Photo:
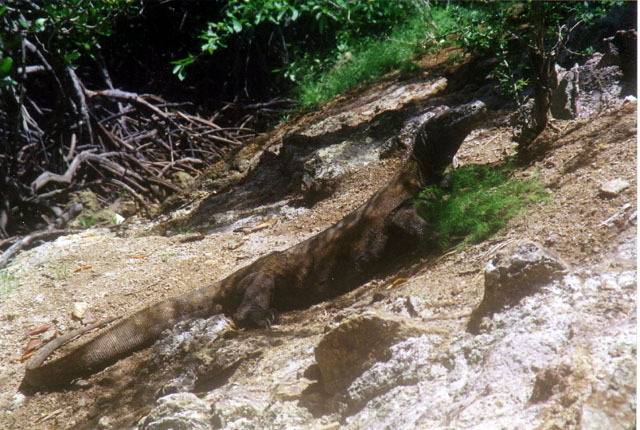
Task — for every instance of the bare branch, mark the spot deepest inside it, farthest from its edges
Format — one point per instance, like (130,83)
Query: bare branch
(84,110)
(65,178)
(125,95)
(26,241)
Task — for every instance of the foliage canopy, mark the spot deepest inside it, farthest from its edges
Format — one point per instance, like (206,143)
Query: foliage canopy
(71,71)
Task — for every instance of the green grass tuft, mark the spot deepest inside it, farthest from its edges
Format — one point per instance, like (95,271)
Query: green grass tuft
(321,77)
(477,202)
(366,60)
(8,282)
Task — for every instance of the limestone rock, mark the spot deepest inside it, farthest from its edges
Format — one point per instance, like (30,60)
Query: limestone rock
(548,382)
(254,408)
(188,336)
(625,44)
(409,362)
(563,99)
(241,410)
(390,147)
(514,272)
(612,405)
(89,200)
(613,188)
(178,411)
(357,343)
(586,89)
(78,309)
(323,170)
(104,423)
(182,179)
(186,349)
(317,181)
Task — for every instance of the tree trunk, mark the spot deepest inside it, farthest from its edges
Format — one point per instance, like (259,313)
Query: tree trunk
(543,78)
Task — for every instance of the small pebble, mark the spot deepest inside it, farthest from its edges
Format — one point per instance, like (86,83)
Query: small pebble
(614,187)
(78,310)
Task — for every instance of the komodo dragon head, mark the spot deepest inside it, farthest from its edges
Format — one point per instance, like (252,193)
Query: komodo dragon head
(439,138)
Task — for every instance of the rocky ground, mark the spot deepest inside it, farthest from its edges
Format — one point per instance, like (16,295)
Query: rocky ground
(559,353)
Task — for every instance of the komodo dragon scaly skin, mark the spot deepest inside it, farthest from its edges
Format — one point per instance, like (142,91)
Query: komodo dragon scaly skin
(331,263)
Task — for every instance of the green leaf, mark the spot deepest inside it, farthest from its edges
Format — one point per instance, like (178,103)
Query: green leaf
(237,26)
(5,66)
(3,9)
(179,70)
(39,24)
(71,57)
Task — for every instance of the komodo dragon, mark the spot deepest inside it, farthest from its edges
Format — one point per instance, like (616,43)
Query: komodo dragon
(331,263)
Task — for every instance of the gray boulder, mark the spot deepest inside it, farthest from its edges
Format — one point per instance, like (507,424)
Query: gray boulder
(357,343)
(180,411)
(517,270)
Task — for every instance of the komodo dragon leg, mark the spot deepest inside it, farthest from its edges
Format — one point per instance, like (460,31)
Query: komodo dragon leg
(255,310)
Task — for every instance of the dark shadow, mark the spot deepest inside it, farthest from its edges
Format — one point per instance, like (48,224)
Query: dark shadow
(276,177)
(216,378)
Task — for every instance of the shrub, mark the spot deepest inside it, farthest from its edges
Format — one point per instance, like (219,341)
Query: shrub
(474,202)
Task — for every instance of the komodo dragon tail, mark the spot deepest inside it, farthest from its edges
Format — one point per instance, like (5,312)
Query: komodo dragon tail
(126,336)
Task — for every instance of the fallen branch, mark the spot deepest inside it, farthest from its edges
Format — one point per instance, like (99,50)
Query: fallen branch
(27,240)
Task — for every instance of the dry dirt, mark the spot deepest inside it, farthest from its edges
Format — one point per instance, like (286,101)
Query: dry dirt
(116,275)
